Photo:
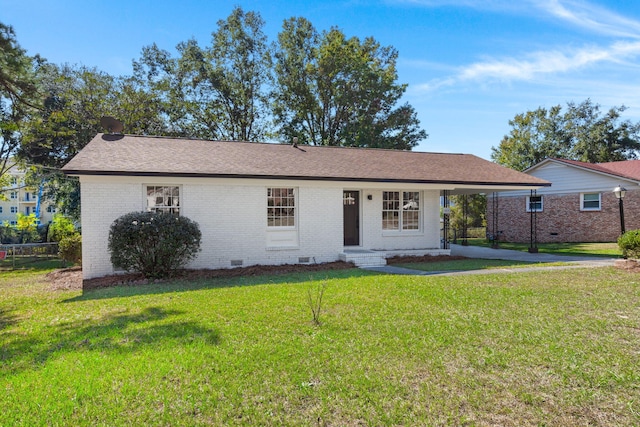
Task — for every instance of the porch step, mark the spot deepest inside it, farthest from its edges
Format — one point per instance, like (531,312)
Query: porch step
(364,258)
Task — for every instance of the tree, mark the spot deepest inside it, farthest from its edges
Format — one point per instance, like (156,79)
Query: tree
(75,100)
(27,226)
(18,92)
(218,92)
(334,90)
(581,133)
(60,228)
(476,215)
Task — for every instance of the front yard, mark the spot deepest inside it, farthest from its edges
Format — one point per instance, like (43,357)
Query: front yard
(561,348)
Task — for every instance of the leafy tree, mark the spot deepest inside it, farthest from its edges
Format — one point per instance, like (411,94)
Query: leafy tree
(581,133)
(27,226)
(217,92)
(60,227)
(18,92)
(476,211)
(76,99)
(334,90)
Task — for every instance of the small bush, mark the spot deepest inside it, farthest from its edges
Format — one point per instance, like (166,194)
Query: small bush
(154,244)
(8,234)
(60,227)
(629,243)
(70,248)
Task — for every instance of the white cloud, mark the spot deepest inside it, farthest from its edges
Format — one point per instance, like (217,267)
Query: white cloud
(537,65)
(592,17)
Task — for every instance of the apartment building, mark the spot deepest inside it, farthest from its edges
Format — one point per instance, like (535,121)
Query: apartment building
(20,198)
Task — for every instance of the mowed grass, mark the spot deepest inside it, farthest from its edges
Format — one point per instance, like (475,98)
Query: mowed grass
(559,348)
(473,264)
(610,250)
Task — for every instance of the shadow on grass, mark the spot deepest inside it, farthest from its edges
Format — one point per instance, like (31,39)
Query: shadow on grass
(6,319)
(110,333)
(182,285)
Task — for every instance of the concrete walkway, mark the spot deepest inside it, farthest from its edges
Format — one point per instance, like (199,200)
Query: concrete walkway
(506,254)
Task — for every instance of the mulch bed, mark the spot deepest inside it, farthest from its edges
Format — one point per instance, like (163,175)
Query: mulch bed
(71,278)
(631,265)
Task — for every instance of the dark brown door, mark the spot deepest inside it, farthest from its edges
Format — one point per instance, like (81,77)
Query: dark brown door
(351,205)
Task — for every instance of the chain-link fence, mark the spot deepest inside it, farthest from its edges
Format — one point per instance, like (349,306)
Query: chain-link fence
(29,255)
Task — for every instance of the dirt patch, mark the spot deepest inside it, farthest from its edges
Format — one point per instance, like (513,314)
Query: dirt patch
(71,278)
(630,265)
(65,279)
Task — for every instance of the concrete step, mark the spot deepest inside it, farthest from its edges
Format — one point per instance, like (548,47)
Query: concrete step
(364,258)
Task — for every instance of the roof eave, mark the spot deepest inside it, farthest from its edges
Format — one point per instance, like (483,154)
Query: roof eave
(75,172)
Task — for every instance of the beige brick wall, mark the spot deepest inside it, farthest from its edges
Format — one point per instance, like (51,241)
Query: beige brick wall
(562,220)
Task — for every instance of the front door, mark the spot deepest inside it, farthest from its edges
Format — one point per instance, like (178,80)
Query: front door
(351,207)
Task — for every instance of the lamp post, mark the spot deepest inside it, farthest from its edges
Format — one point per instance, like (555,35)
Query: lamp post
(620,191)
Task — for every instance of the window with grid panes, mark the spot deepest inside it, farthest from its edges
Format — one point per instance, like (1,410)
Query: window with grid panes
(400,210)
(281,207)
(163,198)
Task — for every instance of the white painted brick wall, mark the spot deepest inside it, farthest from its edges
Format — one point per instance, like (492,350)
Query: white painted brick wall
(232,218)
(375,238)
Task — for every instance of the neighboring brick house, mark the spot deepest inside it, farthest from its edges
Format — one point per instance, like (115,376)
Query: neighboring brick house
(579,206)
(277,204)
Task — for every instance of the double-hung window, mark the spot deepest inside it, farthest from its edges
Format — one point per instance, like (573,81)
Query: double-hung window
(401,210)
(590,201)
(163,198)
(534,204)
(281,207)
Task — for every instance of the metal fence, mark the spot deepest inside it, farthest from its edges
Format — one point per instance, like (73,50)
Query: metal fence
(28,255)
(455,235)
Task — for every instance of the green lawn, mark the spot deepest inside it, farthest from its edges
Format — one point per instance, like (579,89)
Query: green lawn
(506,349)
(473,264)
(593,249)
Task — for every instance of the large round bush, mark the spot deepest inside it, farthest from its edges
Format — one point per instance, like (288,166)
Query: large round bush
(152,243)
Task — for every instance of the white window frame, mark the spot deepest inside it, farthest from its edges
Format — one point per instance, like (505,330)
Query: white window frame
(282,209)
(528,206)
(396,210)
(13,195)
(171,203)
(14,209)
(583,208)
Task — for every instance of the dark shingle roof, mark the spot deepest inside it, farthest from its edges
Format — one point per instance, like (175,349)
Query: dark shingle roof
(158,156)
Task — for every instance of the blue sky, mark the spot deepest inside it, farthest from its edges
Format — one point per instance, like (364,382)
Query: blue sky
(471,66)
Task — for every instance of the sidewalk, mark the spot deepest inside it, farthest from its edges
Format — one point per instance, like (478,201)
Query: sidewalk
(506,254)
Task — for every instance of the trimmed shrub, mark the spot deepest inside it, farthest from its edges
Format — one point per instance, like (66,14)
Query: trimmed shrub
(60,227)
(70,248)
(629,243)
(152,243)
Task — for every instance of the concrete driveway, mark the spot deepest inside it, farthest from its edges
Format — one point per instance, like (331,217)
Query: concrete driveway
(506,254)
